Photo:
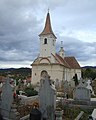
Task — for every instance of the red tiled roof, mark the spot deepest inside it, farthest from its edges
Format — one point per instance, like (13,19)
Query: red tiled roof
(69,62)
(62,61)
(72,62)
(47,28)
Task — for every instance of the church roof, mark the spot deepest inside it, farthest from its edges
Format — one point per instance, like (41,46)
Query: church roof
(61,60)
(68,62)
(47,29)
(72,62)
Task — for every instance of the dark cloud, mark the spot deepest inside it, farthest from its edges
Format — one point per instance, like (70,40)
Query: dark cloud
(83,51)
(22,21)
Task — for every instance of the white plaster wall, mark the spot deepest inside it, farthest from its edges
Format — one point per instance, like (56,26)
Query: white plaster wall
(68,77)
(78,73)
(47,49)
(71,72)
(44,61)
(54,71)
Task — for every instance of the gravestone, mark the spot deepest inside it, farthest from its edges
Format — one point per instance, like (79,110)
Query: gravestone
(59,114)
(72,83)
(90,87)
(6,98)
(81,92)
(8,109)
(47,98)
(66,88)
(57,84)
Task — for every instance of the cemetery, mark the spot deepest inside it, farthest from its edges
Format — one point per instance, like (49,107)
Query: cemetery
(64,95)
(54,101)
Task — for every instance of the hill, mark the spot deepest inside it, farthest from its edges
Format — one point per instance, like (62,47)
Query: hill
(16,72)
(89,67)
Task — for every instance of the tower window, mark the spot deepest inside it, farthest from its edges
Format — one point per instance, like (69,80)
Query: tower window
(45,41)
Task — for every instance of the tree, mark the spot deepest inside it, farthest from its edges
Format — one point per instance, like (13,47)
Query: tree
(76,80)
(89,73)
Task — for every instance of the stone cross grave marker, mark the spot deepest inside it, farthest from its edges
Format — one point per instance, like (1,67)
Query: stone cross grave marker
(6,98)
(47,98)
(66,88)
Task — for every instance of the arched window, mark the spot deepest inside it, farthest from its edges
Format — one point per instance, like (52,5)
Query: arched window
(45,41)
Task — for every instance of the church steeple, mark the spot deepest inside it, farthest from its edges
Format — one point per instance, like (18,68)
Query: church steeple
(47,40)
(61,52)
(47,29)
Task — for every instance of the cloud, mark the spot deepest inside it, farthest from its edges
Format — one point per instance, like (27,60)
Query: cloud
(85,52)
(83,35)
(73,22)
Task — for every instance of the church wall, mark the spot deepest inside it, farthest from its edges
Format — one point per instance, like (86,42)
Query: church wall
(45,61)
(35,74)
(71,72)
(68,77)
(75,71)
(54,71)
(78,71)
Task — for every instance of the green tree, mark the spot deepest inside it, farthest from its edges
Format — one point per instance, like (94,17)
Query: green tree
(76,80)
(93,75)
(89,73)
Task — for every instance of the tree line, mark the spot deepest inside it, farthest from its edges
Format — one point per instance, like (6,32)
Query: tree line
(89,73)
(19,73)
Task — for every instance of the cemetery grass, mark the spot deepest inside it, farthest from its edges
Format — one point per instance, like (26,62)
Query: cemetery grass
(94,86)
(24,110)
(72,113)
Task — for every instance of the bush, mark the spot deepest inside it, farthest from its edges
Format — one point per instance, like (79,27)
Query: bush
(30,91)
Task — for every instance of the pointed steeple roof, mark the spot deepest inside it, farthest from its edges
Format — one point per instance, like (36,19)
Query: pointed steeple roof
(47,28)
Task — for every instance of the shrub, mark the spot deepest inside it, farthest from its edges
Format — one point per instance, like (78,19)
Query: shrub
(30,91)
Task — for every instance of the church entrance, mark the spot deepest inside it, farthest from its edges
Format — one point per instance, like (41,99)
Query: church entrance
(44,73)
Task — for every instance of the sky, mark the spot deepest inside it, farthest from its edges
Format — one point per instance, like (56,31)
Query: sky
(21,21)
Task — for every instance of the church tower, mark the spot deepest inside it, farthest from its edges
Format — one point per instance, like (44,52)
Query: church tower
(47,40)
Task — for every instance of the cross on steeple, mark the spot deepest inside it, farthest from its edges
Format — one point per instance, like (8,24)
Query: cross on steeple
(61,43)
(48,10)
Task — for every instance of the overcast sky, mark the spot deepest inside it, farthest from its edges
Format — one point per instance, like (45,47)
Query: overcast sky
(21,21)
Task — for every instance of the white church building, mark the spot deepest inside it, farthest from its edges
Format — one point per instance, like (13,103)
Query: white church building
(58,66)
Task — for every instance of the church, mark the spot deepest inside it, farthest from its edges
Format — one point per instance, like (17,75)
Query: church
(57,65)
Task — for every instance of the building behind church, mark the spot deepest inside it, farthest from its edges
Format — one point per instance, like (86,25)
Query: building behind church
(58,66)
